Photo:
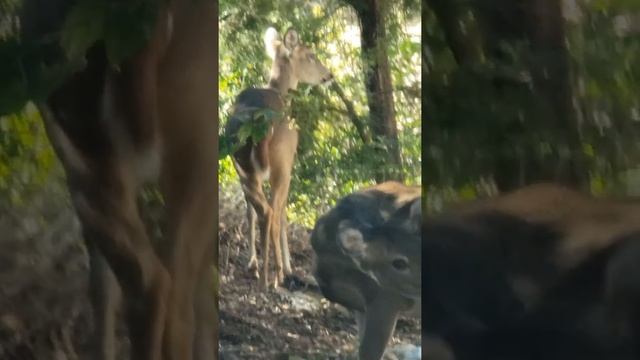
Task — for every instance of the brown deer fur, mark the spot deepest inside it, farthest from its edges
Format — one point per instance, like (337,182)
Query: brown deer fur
(153,119)
(543,272)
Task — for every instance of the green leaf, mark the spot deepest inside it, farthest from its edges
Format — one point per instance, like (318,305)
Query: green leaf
(13,85)
(129,28)
(83,26)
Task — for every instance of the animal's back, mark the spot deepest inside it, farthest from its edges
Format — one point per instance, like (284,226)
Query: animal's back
(587,223)
(523,248)
(249,101)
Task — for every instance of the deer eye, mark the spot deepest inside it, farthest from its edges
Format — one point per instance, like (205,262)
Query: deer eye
(400,264)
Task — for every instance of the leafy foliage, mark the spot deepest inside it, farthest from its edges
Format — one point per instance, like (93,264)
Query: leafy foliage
(33,64)
(124,27)
(254,128)
(27,162)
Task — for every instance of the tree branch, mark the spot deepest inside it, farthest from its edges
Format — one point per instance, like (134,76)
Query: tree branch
(351,114)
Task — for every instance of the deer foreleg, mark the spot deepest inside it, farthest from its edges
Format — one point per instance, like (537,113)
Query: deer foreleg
(284,243)
(379,322)
(252,188)
(277,251)
(280,179)
(251,222)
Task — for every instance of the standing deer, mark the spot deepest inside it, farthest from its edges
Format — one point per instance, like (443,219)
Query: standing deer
(368,259)
(153,119)
(272,157)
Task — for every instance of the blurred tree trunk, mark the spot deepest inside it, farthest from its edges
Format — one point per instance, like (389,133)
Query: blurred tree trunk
(541,22)
(461,30)
(379,85)
(554,93)
(474,31)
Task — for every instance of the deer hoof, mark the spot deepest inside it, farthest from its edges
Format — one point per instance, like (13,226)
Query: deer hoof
(253,263)
(264,283)
(287,270)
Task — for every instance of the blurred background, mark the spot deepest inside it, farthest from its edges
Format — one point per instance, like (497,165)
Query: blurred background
(530,90)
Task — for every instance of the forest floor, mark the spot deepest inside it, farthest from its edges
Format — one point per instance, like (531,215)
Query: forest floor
(45,312)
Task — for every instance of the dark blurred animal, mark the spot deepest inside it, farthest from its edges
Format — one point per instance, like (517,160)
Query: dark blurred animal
(367,258)
(543,272)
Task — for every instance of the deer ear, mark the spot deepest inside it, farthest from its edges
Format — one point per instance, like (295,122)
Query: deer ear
(271,42)
(351,240)
(291,39)
(409,216)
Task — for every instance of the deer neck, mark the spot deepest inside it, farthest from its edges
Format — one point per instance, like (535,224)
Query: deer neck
(282,79)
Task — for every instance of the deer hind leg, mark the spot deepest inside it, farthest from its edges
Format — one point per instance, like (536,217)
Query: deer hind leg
(105,296)
(284,242)
(252,187)
(252,265)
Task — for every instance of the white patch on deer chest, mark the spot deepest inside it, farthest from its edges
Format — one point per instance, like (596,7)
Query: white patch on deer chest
(261,171)
(169,25)
(147,163)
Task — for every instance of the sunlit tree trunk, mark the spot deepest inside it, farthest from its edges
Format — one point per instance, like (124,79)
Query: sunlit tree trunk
(379,86)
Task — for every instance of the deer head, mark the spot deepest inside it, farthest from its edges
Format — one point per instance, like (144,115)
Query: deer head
(391,253)
(293,62)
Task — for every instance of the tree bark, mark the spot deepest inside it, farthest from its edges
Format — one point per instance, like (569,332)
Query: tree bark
(358,123)
(555,118)
(460,29)
(553,87)
(378,83)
